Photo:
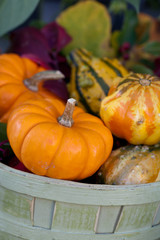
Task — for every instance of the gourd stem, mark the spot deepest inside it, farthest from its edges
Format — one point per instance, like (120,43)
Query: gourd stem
(145,82)
(32,83)
(66,119)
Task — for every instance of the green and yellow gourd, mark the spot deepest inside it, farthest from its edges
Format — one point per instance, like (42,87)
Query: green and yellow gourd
(131,164)
(91,78)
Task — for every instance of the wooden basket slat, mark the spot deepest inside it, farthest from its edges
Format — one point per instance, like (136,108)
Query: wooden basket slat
(107,218)
(136,217)
(74,217)
(35,233)
(43,213)
(156,219)
(7,236)
(15,206)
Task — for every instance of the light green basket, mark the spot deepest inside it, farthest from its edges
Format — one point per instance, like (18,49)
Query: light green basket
(39,208)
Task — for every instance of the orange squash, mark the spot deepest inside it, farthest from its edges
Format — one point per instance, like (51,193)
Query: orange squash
(132,109)
(131,165)
(49,141)
(18,82)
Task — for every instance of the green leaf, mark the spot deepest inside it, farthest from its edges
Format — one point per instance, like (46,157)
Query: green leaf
(89,25)
(117,6)
(147,62)
(3,132)
(37,24)
(115,40)
(128,32)
(143,36)
(135,4)
(15,12)
(152,47)
(139,68)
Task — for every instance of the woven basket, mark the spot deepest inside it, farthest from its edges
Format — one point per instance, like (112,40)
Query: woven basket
(39,208)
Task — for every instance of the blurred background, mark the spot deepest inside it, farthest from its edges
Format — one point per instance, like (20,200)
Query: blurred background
(48,10)
(131,29)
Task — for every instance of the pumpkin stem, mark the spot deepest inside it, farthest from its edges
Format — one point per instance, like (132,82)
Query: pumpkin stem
(66,118)
(32,83)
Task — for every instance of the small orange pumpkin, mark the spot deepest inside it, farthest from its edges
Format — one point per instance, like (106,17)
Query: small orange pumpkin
(18,82)
(52,143)
(132,109)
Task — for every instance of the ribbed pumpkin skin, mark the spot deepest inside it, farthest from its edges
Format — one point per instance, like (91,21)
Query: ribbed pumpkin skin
(132,109)
(48,148)
(13,70)
(131,165)
(91,78)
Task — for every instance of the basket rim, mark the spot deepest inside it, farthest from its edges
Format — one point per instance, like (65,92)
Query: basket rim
(55,189)
(72,183)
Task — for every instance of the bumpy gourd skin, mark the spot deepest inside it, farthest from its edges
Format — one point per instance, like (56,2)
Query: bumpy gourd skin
(91,78)
(131,165)
(48,148)
(132,109)
(13,71)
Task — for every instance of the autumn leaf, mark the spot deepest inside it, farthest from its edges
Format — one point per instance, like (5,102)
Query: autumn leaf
(89,25)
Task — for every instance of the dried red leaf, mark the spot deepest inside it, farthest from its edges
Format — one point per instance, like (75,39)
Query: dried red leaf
(57,87)
(43,46)
(157,66)
(40,45)
(29,40)
(16,164)
(56,36)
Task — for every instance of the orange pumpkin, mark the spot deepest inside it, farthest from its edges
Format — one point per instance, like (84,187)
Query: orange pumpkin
(131,165)
(132,109)
(58,146)
(17,83)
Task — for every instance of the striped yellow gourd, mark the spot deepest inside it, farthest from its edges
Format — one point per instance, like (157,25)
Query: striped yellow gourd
(132,109)
(91,78)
